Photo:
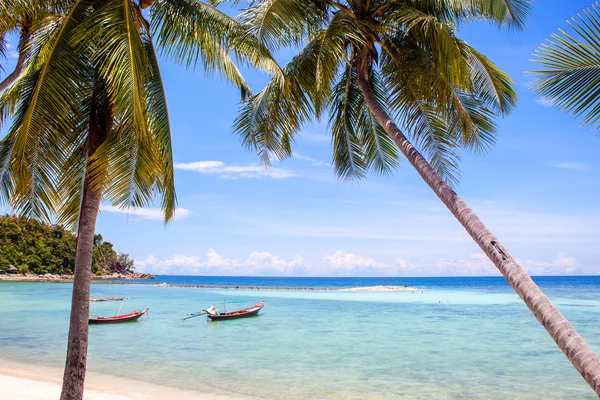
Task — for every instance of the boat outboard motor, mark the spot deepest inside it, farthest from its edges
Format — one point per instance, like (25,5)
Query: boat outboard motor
(212,310)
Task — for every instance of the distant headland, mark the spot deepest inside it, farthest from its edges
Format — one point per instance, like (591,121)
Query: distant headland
(36,252)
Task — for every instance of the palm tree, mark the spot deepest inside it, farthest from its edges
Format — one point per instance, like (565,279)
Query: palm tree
(24,17)
(367,63)
(570,74)
(89,120)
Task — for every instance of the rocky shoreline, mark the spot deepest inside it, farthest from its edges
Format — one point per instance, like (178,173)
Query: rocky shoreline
(69,278)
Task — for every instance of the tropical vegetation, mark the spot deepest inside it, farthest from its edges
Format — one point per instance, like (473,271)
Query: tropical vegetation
(89,120)
(569,76)
(393,77)
(35,247)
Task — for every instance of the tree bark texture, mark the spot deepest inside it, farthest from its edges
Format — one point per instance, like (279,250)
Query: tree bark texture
(24,38)
(101,121)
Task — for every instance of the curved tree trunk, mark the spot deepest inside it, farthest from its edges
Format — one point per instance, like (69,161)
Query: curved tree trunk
(24,38)
(568,340)
(101,121)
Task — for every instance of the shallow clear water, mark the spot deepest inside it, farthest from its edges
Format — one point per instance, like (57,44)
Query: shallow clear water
(462,338)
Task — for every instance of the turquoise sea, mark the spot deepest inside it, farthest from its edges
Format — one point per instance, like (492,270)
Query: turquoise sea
(461,338)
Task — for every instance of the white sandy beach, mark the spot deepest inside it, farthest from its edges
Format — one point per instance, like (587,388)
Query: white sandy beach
(33,382)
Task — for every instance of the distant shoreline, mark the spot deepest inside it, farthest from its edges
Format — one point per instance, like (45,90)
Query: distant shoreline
(377,288)
(69,278)
(110,280)
(137,281)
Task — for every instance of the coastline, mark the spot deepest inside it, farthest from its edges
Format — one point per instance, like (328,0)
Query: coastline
(41,382)
(69,278)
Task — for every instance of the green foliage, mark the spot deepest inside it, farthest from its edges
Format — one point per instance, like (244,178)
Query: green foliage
(96,61)
(32,246)
(445,95)
(570,73)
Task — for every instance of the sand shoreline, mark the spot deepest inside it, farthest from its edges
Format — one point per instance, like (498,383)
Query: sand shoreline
(39,382)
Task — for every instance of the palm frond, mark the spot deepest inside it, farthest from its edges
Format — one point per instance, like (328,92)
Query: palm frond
(348,153)
(434,37)
(283,23)
(269,120)
(6,180)
(3,49)
(43,117)
(439,117)
(490,84)
(158,115)
(570,73)
(333,47)
(189,31)
(111,34)
(506,13)
(510,13)
(380,151)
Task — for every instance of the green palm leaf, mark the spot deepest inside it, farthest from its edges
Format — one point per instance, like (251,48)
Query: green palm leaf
(40,105)
(348,155)
(570,73)
(188,31)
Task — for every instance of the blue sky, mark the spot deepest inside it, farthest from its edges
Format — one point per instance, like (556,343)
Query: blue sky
(537,190)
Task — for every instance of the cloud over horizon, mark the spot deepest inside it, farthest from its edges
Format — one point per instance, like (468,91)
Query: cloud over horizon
(345,264)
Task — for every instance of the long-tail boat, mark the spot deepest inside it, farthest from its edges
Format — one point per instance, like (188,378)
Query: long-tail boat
(214,314)
(134,316)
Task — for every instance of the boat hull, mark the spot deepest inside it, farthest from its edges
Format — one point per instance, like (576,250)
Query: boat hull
(117,318)
(251,312)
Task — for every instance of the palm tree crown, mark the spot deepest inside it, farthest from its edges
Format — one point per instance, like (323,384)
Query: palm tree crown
(100,55)
(445,93)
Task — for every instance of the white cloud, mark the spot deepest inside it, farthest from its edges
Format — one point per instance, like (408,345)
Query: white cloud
(575,166)
(145,213)
(341,263)
(257,263)
(11,53)
(475,265)
(479,265)
(545,102)
(313,161)
(315,137)
(235,171)
(562,265)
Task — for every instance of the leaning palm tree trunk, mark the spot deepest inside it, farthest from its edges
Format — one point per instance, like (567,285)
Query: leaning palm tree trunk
(566,337)
(24,38)
(75,367)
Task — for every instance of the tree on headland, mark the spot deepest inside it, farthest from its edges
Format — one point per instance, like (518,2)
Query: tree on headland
(369,63)
(89,120)
(569,77)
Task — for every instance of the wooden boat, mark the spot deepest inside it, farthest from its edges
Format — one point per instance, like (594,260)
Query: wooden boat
(215,315)
(134,316)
